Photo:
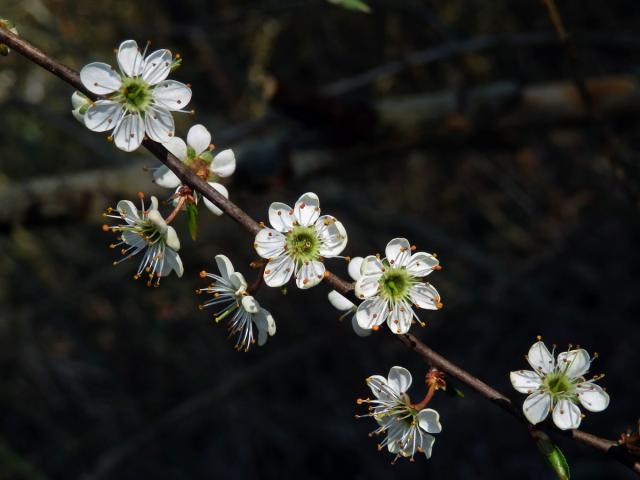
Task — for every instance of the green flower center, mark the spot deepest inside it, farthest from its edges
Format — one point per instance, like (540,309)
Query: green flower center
(558,384)
(201,164)
(135,94)
(395,284)
(303,244)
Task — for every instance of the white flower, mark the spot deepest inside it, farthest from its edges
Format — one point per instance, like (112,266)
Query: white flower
(299,240)
(389,287)
(343,304)
(80,103)
(138,98)
(230,296)
(558,386)
(146,230)
(407,428)
(196,155)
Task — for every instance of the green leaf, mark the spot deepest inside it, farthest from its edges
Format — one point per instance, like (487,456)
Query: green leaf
(453,390)
(357,5)
(552,454)
(192,216)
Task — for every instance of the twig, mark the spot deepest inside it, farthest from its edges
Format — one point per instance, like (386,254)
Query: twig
(189,178)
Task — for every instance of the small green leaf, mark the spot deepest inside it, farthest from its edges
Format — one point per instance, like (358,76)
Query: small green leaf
(192,215)
(552,453)
(452,390)
(357,5)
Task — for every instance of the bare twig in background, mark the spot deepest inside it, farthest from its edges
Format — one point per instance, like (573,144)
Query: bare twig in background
(188,177)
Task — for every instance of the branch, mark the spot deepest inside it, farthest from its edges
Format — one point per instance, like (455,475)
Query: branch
(236,213)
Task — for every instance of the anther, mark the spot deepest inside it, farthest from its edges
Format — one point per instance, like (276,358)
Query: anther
(203,274)
(105,228)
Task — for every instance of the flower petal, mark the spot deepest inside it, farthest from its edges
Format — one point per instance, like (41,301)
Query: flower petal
(157,66)
(172,262)
(130,59)
(379,388)
(332,235)
(129,133)
(540,358)
(103,115)
(269,243)
(372,312)
(359,331)
(250,304)
(339,301)
(266,325)
(566,415)
(592,396)
(354,267)
(310,274)
(224,163)
(238,282)
(422,264)
(367,286)
(278,271)
(307,209)
(100,78)
(172,95)
(536,407)
(198,138)
(371,265)
(212,206)
(398,252)
(177,147)
(165,178)
(525,381)
(399,379)
(128,211)
(225,267)
(575,363)
(425,444)
(171,239)
(159,124)
(400,317)
(429,420)
(281,217)
(424,295)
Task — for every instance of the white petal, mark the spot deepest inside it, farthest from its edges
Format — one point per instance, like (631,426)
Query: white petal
(367,286)
(379,388)
(592,396)
(307,209)
(332,235)
(536,407)
(129,133)
(566,415)
(269,243)
(310,274)
(424,295)
(166,178)
(212,206)
(224,163)
(225,267)
(575,363)
(130,59)
(422,264)
(103,115)
(426,444)
(400,317)
(525,381)
(372,312)
(281,217)
(198,138)
(339,301)
(359,331)
(100,78)
(278,271)
(250,304)
(173,95)
(266,325)
(354,267)
(159,124)
(540,358)
(172,261)
(398,252)
(177,147)
(79,99)
(429,420)
(157,66)
(399,379)
(129,211)
(371,265)
(238,282)
(172,239)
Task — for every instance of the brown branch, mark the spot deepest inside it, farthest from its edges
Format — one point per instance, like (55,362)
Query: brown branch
(189,178)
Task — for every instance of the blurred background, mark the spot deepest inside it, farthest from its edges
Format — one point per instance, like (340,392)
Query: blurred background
(456,124)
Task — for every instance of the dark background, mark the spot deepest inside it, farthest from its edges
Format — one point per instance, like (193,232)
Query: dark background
(478,149)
